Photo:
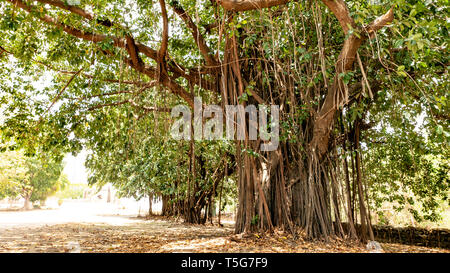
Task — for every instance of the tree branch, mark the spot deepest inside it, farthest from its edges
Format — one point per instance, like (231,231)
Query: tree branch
(380,22)
(198,38)
(122,43)
(88,36)
(166,81)
(340,10)
(165,38)
(137,83)
(146,86)
(62,90)
(108,105)
(134,53)
(76,10)
(244,5)
(151,109)
(338,93)
(132,103)
(165,41)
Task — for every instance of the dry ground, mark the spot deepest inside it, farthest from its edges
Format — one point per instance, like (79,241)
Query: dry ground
(106,229)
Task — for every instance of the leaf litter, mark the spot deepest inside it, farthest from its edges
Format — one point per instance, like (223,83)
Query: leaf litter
(161,235)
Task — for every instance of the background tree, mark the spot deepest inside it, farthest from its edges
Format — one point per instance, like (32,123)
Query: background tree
(12,172)
(32,178)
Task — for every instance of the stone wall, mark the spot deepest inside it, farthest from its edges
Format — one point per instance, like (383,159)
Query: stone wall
(413,236)
(410,236)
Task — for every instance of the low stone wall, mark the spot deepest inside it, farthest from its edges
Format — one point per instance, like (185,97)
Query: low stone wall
(413,236)
(410,236)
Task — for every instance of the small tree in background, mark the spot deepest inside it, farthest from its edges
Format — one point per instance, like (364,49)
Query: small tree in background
(32,178)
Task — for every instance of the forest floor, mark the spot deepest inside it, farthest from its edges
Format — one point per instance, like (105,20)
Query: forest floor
(107,230)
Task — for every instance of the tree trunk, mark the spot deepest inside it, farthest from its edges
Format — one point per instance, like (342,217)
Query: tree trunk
(220,194)
(27,203)
(165,210)
(150,203)
(108,198)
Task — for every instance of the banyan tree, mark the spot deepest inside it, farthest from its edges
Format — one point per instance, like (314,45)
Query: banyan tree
(314,59)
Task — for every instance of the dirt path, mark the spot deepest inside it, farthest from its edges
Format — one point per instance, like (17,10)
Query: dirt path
(106,229)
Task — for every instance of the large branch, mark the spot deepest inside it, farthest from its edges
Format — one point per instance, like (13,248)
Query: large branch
(158,56)
(133,51)
(132,103)
(165,41)
(149,52)
(88,36)
(337,94)
(136,83)
(165,34)
(338,7)
(198,37)
(380,22)
(347,56)
(79,11)
(244,5)
(165,80)
(340,10)
(130,45)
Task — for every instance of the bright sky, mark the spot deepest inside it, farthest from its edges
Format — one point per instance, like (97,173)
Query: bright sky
(74,168)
